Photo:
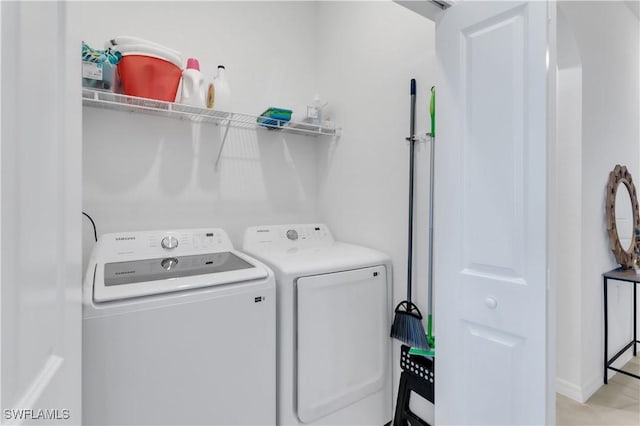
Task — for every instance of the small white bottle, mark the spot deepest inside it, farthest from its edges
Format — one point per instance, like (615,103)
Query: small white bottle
(314,111)
(193,87)
(222,91)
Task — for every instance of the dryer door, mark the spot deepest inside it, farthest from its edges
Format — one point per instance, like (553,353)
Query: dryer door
(342,339)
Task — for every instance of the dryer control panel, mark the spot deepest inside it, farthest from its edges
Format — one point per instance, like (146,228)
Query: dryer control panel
(276,237)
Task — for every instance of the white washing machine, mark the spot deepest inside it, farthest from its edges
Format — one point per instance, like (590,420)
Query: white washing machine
(178,328)
(334,316)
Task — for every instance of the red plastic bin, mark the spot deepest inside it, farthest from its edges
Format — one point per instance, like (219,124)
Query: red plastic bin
(149,77)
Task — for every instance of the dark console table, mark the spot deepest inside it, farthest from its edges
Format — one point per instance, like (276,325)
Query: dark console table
(629,276)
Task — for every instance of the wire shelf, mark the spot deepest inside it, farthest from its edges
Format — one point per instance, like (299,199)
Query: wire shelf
(113,101)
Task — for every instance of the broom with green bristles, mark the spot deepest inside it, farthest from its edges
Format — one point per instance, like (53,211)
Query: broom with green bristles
(407,323)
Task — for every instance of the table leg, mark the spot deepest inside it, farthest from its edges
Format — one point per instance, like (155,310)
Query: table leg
(635,319)
(606,329)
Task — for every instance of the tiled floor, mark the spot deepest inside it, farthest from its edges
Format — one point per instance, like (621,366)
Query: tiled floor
(617,403)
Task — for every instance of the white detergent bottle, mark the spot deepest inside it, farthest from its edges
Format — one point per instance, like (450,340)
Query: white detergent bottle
(193,87)
(223,91)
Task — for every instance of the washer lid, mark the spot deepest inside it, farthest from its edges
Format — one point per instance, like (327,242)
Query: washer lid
(144,277)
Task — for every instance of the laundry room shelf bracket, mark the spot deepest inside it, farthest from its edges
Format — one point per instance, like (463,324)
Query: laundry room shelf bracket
(224,139)
(113,101)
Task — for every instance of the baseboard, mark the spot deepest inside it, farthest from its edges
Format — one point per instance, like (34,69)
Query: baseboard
(596,382)
(620,362)
(582,394)
(591,387)
(568,389)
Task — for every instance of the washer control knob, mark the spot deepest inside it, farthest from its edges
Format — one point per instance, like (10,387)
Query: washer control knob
(169,263)
(169,242)
(292,234)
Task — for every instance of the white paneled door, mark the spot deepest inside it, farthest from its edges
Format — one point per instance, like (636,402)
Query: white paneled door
(40,216)
(491,213)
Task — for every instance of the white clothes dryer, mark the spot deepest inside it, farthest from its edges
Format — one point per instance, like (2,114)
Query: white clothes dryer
(333,319)
(178,328)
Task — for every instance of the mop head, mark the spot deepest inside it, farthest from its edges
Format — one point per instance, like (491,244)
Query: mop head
(407,326)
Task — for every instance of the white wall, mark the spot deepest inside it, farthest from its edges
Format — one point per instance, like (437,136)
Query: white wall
(569,237)
(607,36)
(369,53)
(143,172)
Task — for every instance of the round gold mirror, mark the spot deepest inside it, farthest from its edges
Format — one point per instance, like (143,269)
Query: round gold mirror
(622,216)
